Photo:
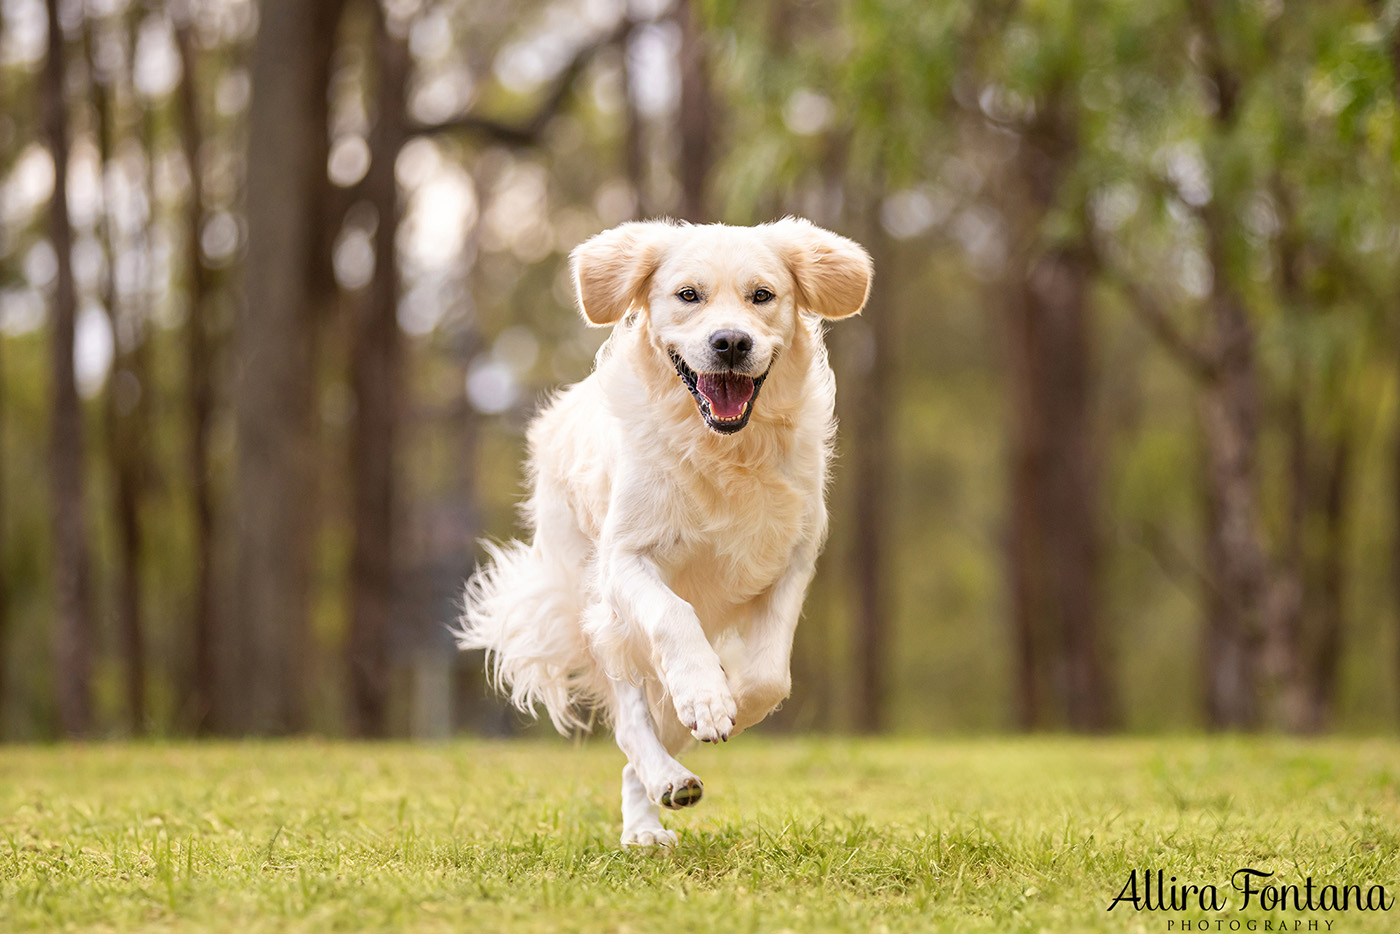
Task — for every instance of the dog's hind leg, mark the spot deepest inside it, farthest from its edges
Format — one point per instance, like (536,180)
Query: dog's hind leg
(652,778)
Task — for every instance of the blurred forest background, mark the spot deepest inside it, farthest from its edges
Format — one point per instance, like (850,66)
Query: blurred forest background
(281,283)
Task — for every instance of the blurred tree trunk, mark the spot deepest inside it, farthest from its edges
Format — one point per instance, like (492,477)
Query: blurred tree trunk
(1236,566)
(868,449)
(1237,570)
(1235,563)
(1242,593)
(1391,25)
(1054,546)
(376,377)
(275,394)
(453,551)
(199,395)
(73,623)
(1311,583)
(1393,47)
(1054,538)
(1327,584)
(635,135)
(697,116)
(5,621)
(1292,585)
(124,407)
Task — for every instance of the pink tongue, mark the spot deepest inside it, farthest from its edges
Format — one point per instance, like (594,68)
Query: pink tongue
(726,393)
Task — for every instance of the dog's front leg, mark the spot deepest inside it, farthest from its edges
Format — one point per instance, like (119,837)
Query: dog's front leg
(652,777)
(763,676)
(687,664)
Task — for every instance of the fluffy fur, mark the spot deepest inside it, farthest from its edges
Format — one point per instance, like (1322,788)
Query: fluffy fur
(668,562)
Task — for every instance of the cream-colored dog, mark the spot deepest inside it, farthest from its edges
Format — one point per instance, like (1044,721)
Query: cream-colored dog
(677,497)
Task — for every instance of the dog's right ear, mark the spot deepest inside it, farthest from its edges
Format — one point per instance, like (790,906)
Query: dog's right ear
(613,270)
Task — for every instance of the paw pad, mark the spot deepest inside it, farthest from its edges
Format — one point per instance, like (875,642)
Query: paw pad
(689,792)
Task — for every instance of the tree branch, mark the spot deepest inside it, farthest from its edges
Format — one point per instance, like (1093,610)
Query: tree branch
(1174,560)
(1154,317)
(528,132)
(1224,82)
(1195,358)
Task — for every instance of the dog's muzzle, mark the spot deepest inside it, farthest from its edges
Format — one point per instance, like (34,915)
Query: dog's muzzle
(726,399)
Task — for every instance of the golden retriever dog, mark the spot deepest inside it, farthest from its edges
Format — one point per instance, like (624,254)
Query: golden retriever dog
(677,497)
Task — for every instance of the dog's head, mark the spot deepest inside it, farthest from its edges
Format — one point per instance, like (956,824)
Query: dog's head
(721,302)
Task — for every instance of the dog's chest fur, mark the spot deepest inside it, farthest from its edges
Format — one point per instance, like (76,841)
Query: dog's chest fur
(720,517)
(733,537)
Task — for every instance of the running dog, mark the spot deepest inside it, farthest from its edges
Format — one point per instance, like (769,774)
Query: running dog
(677,497)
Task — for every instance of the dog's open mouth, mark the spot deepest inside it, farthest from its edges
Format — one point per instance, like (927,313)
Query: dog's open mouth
(725,399)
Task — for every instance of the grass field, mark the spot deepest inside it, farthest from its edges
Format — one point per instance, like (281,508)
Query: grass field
(810,835)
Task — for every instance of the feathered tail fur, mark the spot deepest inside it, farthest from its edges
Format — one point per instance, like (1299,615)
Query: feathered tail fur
(524,614)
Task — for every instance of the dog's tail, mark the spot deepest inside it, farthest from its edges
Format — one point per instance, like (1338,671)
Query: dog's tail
(523,615)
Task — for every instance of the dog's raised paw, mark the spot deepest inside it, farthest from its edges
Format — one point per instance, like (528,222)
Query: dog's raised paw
(683,795)
(649,836)
(709,715)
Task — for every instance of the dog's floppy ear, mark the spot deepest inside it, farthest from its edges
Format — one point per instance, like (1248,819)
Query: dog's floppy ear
(832,273)
(613,269)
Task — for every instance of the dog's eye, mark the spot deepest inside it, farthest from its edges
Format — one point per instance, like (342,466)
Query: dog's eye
(688,295)
(761,296)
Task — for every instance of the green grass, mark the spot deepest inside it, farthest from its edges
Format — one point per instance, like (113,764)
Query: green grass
(811,835)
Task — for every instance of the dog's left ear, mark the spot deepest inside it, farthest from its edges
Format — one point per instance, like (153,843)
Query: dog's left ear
(832,273)
(613,269)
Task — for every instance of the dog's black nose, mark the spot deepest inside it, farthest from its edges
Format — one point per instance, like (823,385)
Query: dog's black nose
(731,346)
